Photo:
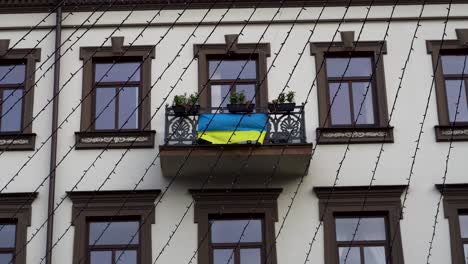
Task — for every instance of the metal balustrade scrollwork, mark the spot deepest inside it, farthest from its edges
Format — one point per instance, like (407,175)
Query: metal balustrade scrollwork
(282,127)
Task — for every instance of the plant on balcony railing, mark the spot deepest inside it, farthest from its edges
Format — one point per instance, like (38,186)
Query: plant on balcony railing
(284,103)
(281,127)
(183,105)
(238,103)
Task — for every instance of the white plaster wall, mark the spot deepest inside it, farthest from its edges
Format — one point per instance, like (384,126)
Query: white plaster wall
(301,223)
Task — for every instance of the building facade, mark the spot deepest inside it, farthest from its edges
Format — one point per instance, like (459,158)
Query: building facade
(236,132)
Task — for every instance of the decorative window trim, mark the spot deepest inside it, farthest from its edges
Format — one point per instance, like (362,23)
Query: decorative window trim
(24,140)
(455,200)
(445,129)
(383,200)
(91,139)
(231,47)
(17,207)
(106,205)
(337,135)
(239,201)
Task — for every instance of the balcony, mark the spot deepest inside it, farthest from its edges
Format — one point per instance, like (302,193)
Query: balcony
(284,145)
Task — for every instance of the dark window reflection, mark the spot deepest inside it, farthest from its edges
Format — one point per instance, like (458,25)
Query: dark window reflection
(12,78)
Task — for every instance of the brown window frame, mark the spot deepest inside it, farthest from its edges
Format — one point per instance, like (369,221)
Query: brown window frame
(95,139)
(16,208)
(232,50)
(240,204)
(378,132)
(437,48)
(109,206)
(455,204)
(24,139)
(113,248)
(380,201)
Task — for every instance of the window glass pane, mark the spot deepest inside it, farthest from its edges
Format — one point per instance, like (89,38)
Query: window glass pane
(367,110)
(221,256)
(128,102)
(250,256)
(340,109)
(230,69)
(466,253)
(336,67)
(126,257)
(249,91)
(351,255)
(369,229)
(101,257)
(7,236)
(453,64)
(6,258)
(117,233)
(374,255)
(105,116)
(11,74)
(119,72)
(464,226)
(453,91)
(12,110)
(229,231)
(218,93)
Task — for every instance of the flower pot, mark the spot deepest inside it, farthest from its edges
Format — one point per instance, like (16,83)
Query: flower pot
(193,109)
(183,110)
(241,108)
(281,108)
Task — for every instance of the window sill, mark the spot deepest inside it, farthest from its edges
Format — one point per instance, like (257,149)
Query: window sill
(444,133)
(115,140)
(333,135)
(17,141)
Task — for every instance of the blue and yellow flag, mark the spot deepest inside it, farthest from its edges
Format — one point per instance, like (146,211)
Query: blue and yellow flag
(252,128)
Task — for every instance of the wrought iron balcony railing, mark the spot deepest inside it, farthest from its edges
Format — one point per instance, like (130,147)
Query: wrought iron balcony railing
(282,128)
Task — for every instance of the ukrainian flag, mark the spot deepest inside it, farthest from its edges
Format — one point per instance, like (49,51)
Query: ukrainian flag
(251,129)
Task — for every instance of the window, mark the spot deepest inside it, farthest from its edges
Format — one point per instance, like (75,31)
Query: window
(17,79)
(361,234)
(12,78)
(7,242)
(231,76)
(227,246)
(347,87)
(239,225)
(456,211)
(351,91)
(455,70)
(117,94)
(464,234)
(450,63)
(220,72)
(113,242)
(370,243)
(106,231)
(116,110)
(15,217)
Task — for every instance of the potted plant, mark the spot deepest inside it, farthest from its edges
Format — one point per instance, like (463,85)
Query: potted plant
(183,105)
(238,103)
(284,103)
(193,107)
